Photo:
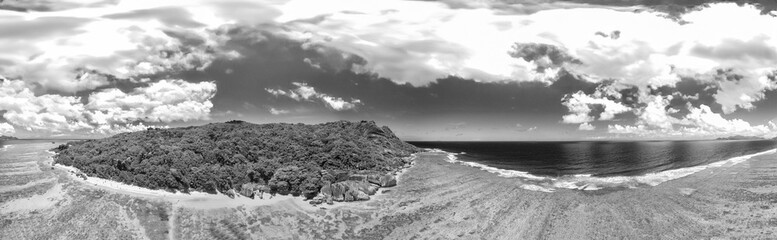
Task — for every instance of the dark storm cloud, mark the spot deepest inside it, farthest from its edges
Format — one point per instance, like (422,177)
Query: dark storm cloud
(170,16)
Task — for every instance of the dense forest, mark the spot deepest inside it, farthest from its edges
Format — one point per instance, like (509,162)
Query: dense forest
(288,158)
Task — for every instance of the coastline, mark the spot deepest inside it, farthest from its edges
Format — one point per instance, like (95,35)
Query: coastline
(588,182)
(203,200)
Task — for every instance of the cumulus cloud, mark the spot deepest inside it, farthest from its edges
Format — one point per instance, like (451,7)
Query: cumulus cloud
(303,92)
(581,105)
(106,111)
(701,121)
(586,127)
(6,129)
(52,49)
(163,101)
(655,115)
(81,48)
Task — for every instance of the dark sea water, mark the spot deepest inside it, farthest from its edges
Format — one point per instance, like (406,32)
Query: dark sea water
(594,165)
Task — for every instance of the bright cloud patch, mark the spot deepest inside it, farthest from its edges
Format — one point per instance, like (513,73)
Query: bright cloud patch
(6,129)
(59,50)
(106,111)
(581,106)
(275,111)
(164,101)
(54,49)
(308,93)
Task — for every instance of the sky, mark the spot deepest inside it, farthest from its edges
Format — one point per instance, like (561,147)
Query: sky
(448,70)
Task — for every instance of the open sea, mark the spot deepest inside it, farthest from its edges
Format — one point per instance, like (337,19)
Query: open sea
(594,165)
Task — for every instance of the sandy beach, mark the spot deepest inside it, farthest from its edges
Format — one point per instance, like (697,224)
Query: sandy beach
(435,199)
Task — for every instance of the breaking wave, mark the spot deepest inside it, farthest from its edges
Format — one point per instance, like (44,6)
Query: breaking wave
(589,182)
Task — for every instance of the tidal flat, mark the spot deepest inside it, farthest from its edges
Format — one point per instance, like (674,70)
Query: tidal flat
(435,199)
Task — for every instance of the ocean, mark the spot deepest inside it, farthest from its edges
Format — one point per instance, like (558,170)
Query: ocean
(594,165)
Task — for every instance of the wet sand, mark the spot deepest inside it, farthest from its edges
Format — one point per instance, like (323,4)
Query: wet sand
(435,199)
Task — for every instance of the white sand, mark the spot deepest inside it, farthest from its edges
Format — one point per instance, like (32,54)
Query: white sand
(12,188)
(193,199)
(37,202)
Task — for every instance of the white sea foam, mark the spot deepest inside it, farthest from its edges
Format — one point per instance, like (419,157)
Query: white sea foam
(589,182)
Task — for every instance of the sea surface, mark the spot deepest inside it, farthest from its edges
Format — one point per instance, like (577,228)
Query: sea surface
(594,165)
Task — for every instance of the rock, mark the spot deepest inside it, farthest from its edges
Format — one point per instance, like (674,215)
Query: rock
(248,189)
(361,196)
(326,189)
(231,193)
(387,181)
(329,200)
(372,189)
(375,178)
(350,195)
(358,177)
(338,192)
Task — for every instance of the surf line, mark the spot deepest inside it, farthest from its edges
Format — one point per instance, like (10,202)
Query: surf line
(588,182)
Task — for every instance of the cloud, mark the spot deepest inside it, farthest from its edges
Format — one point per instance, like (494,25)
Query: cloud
(275,111)
(699,122)
(544,56)
(586,127)
(6,129)
(520,128)
(308,93)
(53,49)
(705,121)
(106,111)
(581,105)
(163,101)
(47,5)
(77,82)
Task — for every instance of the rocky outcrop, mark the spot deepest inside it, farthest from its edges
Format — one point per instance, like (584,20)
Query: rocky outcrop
(253,190)
(357,187)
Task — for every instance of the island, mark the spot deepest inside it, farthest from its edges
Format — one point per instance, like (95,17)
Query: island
(7,138)
(336,161)
(740,137)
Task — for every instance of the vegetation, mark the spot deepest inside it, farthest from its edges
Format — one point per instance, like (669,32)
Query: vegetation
(289,158)
(7,138)
(740,137)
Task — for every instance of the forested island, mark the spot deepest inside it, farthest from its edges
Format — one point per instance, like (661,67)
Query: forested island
(339,159)
(7,138)
(740,137)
